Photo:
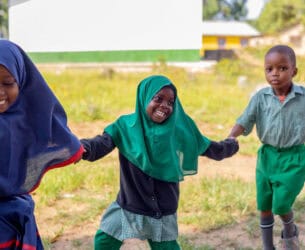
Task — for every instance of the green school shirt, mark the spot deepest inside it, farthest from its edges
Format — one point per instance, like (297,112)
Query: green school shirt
(278,124)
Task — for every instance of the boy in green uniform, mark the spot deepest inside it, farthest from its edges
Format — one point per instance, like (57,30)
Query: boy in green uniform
(278,112)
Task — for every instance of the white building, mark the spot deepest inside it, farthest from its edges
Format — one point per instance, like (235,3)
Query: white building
(101,25)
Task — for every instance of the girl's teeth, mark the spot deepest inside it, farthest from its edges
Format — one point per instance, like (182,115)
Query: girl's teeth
(160,113)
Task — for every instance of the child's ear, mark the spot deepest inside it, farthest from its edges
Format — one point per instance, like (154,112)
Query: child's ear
(295,72)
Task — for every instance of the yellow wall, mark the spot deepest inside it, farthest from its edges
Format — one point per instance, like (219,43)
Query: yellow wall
(211,43)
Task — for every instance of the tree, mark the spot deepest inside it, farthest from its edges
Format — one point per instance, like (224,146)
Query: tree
(280,14)
(210,9)
(224,9)
(3,18)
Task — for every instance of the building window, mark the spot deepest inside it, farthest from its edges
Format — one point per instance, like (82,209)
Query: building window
(221,42)
(244,42)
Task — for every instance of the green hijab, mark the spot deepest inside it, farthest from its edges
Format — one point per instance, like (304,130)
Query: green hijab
(166,151)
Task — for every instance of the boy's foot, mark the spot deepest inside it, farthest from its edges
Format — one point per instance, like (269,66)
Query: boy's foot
(290,243)
(135,244)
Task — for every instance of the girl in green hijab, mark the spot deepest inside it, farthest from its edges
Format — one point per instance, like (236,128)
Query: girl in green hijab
(158,145)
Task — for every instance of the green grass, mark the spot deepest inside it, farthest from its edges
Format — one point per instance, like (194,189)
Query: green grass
(214,100)
(212,203)
(116,56)
(185,244)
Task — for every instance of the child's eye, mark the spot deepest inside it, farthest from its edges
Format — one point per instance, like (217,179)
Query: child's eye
(157,98)
(283,68)
(170,103)
(8,84)
(268,70)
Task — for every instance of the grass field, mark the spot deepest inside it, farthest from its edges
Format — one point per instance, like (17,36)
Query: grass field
(213,98)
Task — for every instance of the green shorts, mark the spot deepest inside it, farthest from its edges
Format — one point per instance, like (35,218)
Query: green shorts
(280,175)
(103,241)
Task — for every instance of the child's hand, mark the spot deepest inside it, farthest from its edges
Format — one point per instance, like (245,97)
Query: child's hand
(234,146)
(233,138)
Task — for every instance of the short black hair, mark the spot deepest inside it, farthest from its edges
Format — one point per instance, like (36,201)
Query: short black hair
(283,49)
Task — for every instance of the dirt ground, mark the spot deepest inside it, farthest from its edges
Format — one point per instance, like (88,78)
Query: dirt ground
(240,236)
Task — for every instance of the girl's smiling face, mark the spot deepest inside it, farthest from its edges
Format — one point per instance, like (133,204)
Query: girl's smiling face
(161,106)
(9,89)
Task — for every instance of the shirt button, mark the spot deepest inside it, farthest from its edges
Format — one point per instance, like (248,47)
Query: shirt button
(157,215)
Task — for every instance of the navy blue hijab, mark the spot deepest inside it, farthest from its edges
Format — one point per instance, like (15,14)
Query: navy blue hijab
(34,136)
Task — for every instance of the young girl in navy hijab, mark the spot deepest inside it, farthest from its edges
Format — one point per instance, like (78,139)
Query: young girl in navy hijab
(34,138)
(158,145)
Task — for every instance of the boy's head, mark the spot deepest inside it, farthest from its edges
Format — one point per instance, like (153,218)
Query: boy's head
(280,68)
(284,50)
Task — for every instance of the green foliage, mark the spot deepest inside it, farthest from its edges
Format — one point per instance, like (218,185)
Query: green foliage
(300,77)
(3,18)
(209,9)
(224,9)
(278,15)
(229,69)
(234,9)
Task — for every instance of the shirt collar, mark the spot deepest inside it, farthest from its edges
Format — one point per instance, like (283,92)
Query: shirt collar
(295,90)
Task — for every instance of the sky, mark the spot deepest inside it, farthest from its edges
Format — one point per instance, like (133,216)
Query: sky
(254,8)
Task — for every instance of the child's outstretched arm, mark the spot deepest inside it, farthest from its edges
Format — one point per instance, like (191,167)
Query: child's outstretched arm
(236,131)
(223,149)
(97,147)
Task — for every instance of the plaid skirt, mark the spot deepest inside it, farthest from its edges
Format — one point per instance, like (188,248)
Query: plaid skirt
(122,224)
